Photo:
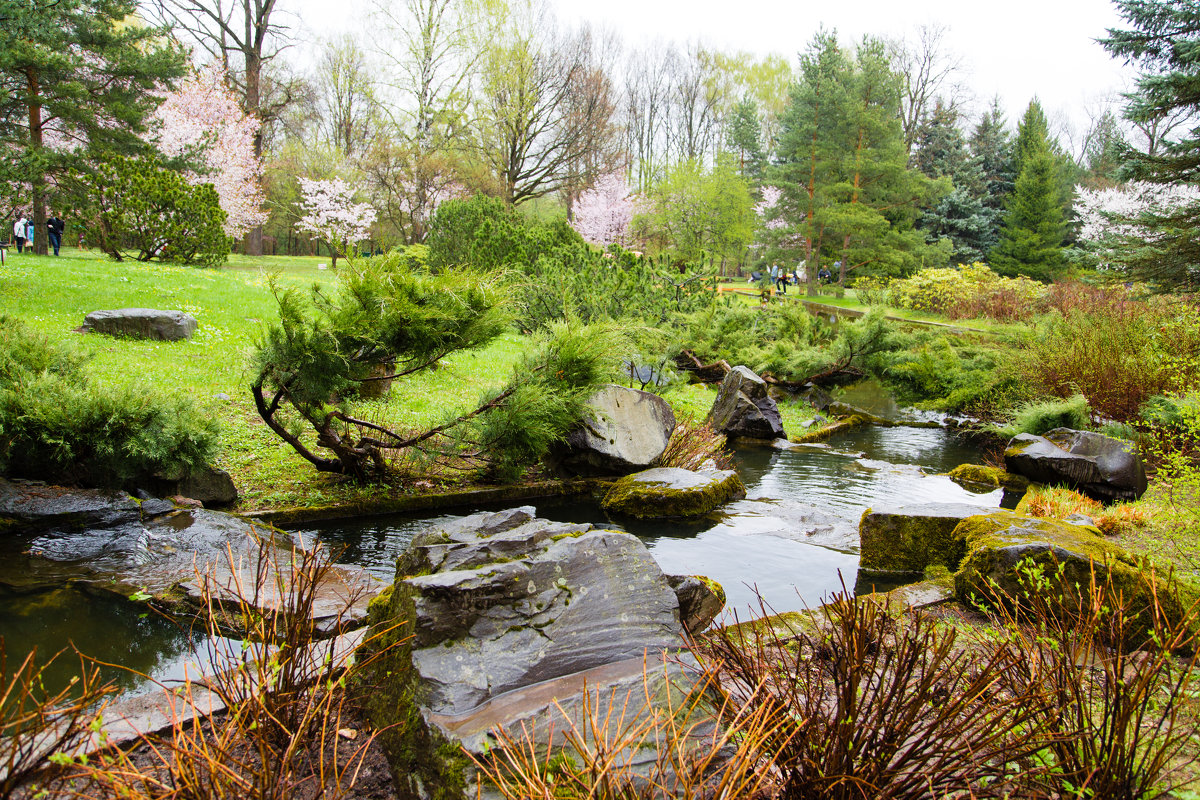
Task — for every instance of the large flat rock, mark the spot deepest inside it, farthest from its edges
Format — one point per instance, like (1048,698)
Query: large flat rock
(142,323)
(505,621)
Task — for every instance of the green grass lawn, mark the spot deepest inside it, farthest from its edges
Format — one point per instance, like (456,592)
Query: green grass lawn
(53,295)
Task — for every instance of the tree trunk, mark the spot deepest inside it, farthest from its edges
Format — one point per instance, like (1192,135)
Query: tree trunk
(38,179)
(253,242)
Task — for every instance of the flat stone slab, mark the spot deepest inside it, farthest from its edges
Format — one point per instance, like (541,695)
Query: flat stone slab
(907,539)
(673,492)
(31,505)
(519,624)
(142,323)
(168,559)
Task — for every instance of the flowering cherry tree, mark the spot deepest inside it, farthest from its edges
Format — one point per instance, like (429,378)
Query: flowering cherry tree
(604,212)
(1112,219)
(766,211)
(203,118)
(331,214)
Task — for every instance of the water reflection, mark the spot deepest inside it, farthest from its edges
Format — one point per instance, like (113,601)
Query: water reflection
(793,540)
(108,629)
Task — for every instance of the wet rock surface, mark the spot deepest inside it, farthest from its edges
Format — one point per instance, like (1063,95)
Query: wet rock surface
(505,621)
(744,408)
(907,539)
(673,492)
(32,505)
(111,543)
(626,430)
(1101,467)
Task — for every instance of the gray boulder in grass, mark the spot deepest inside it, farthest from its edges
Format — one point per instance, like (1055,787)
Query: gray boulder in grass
(142,323)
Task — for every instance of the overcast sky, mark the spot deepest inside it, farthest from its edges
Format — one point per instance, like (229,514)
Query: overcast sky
(1015,49)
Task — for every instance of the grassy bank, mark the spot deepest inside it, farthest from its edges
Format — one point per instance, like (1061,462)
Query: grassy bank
(53,295)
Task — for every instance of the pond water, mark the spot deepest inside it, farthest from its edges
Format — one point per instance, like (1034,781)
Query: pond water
(791,542)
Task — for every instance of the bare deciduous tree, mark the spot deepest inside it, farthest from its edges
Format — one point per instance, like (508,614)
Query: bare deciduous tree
(928,71)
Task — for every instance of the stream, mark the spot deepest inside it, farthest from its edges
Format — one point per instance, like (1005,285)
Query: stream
(789,544)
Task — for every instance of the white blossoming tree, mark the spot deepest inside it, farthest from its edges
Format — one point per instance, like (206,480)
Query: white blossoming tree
(603,213)
(331,214)
(203,121)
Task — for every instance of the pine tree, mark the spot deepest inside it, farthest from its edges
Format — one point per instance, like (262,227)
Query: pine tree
(1165,44)
(1031,242)
(811,136)
(848,194)
(76,82)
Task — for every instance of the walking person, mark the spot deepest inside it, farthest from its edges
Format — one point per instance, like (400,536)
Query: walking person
(54,231)
(19,234)
(29,234)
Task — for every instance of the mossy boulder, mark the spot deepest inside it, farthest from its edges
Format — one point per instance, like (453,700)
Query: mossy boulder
(1101,467)
(907,539)
(673,492)
(508,622)
(1007,551)
(975,475)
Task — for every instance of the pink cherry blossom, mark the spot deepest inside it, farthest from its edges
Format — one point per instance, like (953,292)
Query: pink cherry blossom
(204,114)
(331,214)
(604,212)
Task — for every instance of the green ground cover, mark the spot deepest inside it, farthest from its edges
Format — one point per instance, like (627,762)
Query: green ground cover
(53,295)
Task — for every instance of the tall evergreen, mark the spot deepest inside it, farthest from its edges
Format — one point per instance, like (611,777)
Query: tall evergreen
(848,194)
(992,153)
(1031,242)
(1164,42)
(812,134)
(745,139)
(76,81)
(961,215)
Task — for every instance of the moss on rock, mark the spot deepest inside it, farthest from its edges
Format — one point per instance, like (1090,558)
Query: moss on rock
(1008,554)
(992,477)
(672,492)
(821,434)
(423,763)
(907,539)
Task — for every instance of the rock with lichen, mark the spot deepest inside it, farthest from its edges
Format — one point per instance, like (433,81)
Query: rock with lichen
(744,408)
(907,539)
(1101,467)
(666,492)
(506,622)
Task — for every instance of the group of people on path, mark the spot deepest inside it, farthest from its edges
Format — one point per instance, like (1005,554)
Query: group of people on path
(23,233)
(781,277)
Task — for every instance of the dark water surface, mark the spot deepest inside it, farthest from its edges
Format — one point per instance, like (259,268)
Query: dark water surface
(793,540)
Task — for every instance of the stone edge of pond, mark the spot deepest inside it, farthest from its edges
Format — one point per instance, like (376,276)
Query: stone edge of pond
(428,501)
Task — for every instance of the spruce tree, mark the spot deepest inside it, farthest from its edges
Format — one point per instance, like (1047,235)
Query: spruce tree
(992,151)
(76,81)
(960,215)
(1164,43)
(1031,242)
